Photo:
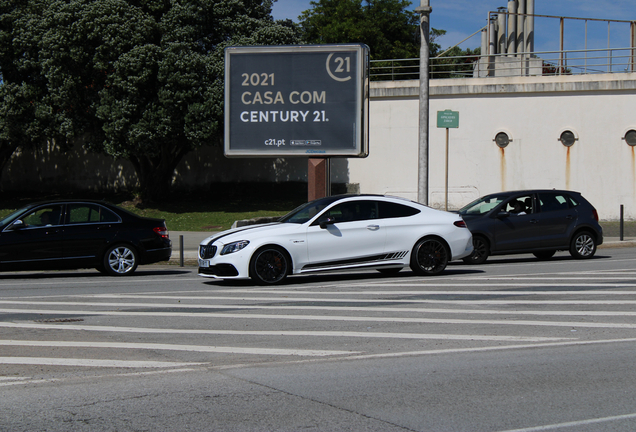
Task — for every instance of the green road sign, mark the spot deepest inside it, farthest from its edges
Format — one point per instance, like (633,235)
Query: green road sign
(448,119)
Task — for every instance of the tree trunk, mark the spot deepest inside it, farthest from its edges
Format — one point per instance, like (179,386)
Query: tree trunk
(155,172)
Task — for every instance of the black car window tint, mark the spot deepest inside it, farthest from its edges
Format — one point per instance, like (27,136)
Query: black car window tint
(573,202)
(90,213)
(43,216)
(553,202)
(388,210)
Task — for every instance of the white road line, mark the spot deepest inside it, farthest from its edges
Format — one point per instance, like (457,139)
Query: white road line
(380,308)
(173,347)
(91,362)
(400,293)
(324,318)
(67,282)
(574,423)
(282,333)
(340,300)
(484,349)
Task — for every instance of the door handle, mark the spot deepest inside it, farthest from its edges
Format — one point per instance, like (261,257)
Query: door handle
(101,227)
(533,221)
(373,227)
(569,217)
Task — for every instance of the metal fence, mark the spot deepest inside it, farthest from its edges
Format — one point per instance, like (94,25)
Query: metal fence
(572,62)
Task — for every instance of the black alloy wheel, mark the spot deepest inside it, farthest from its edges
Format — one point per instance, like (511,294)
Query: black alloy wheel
(269,265)
(480,251)
(429,256)
(583,245)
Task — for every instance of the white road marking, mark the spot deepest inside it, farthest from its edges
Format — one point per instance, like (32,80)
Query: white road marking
(380,308)
(173,347)
(574,423)
(282,333)
(91,362)
(324,318)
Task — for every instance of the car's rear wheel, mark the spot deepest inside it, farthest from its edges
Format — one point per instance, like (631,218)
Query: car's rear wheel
(544,255)
(583,245)
(269,265)
(120,260)
(429,256)
(480,251)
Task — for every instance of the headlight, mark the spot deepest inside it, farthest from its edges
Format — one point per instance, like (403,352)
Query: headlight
(234,247)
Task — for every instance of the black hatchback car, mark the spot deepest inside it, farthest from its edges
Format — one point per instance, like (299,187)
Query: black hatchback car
(540,222)
(75,234)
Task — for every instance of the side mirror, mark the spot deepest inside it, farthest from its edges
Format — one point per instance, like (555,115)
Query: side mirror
(503,214)
(17,224)
(326,222)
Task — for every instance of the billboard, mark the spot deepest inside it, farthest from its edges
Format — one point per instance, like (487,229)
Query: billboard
(309,100)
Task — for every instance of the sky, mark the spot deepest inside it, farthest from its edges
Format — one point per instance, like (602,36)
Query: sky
(461,18)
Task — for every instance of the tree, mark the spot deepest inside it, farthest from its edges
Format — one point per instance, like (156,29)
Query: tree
(138,79)
(389,29)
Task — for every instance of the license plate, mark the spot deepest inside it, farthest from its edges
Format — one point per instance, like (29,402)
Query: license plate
(204,263)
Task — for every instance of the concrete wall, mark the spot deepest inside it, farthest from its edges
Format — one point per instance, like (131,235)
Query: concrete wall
(534,111)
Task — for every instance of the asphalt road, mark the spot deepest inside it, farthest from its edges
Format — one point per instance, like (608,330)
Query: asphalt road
(515,344)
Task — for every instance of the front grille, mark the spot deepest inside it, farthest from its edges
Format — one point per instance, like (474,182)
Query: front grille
(207,251)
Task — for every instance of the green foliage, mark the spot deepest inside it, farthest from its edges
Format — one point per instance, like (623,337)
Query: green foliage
(389,29)
(138,79)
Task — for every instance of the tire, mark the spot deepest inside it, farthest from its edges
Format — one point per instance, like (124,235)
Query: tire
(544,255)
(390,271)
(481,251)
(583,245)
(269,265)
(429,256)
(120,260)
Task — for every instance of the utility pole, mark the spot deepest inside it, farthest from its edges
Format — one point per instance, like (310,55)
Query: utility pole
(422,183)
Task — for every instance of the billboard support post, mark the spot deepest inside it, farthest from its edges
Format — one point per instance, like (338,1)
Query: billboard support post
(422,187)
(318,178)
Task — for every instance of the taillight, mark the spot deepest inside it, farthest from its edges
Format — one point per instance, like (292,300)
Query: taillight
(460,223)
(162,231)
(595,214)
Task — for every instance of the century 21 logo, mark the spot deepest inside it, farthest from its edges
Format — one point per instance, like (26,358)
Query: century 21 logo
(342,66)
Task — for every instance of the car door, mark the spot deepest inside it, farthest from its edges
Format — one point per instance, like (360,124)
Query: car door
(89,228)
(516,225)
(557,219)
(351,233)
(35,239)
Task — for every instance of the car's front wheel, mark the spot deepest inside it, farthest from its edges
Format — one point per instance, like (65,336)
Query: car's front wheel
(269,265)
(429,256)
(120,260)
(480,251)
(583,245)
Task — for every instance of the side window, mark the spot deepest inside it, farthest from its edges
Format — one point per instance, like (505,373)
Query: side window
(390,210)
(553,202)
(353,211)
(43,216)
(520,205)
(90,213)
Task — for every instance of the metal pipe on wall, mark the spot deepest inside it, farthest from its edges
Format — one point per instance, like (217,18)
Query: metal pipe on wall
(502,45)
(521,20)
(512,27)
(530,26)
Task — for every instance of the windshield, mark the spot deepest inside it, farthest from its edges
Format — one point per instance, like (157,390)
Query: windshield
(482,205)
(8,218)
(307,211)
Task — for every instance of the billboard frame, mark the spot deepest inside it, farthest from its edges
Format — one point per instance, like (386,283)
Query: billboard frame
(356,145)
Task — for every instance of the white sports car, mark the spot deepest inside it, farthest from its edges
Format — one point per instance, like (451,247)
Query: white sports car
(336,233)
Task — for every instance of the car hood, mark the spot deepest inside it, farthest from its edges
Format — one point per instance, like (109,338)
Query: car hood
(248,232)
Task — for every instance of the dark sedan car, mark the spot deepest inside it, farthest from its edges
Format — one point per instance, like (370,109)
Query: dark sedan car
(75,234)
(540,222)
